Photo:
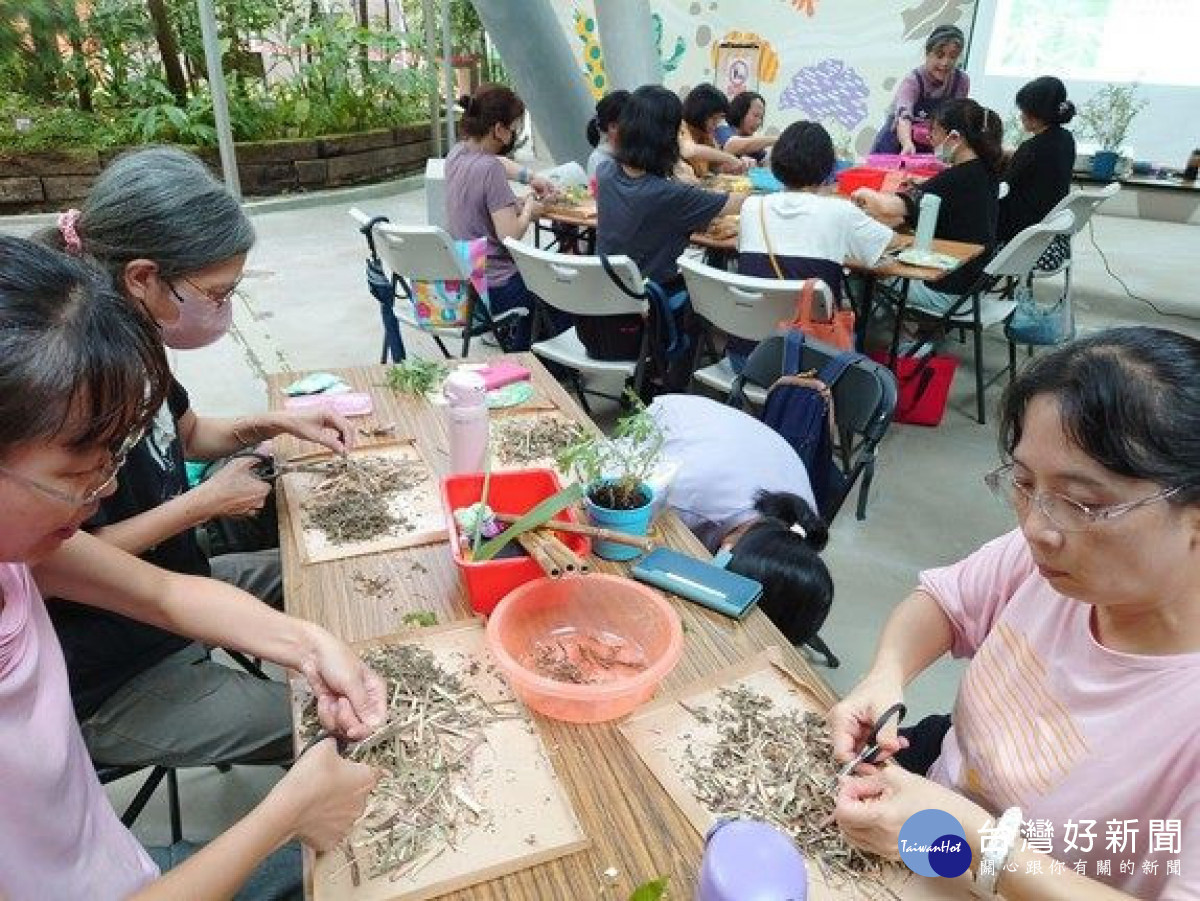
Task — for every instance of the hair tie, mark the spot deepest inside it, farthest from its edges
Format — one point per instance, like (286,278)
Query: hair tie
(798,529)
(68,227)
(1062,107)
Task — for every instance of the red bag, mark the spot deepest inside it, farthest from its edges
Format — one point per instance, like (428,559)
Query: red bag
(924,386)
(837,331)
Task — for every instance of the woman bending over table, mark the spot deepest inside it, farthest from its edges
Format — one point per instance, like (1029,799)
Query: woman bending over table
(967,137)
(174,242)
(738,135)
(919,93)
(481,204)
(704,111)
(83,373)
(1079,712)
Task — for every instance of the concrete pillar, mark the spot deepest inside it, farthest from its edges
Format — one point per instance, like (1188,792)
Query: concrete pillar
(544,72)
(627,40)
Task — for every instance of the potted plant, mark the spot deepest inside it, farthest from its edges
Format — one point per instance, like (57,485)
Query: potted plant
(615,474)
(1106,118)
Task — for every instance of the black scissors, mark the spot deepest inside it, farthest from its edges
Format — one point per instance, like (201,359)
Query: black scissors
(871,749)
(322,734)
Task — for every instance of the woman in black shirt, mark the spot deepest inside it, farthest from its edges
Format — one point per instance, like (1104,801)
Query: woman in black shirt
(967,136)
(1039,173)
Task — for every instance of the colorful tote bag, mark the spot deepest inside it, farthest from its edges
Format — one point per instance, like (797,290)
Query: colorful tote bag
(447,304)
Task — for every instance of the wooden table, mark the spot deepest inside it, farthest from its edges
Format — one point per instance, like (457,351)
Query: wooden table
(632,823)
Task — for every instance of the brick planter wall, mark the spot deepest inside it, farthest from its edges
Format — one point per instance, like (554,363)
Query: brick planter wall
(56,179)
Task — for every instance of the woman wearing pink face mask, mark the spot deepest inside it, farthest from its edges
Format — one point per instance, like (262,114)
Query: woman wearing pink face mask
(175,243)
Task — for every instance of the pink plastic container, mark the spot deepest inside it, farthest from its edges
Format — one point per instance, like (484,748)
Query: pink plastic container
(915,162)
(516,492)
(594,605)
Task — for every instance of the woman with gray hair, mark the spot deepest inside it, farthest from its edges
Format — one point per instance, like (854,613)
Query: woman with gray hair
(175,242)
(921,91)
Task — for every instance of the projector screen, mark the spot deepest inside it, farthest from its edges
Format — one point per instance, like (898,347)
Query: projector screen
(1151,42)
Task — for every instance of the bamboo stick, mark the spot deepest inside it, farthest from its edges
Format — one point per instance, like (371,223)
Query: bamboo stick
(560,549)
(578,528)
(535,550)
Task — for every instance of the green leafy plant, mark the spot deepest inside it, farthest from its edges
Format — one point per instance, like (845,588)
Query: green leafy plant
(423,618)
(416,376)
(614,470)
(1107,115)
(650,891)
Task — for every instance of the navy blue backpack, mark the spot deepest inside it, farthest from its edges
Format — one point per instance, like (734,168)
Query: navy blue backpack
(800,408)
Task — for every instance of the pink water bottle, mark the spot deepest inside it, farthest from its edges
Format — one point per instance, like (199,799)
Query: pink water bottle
(466,420)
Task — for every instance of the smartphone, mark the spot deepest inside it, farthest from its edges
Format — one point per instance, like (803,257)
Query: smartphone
(699,581)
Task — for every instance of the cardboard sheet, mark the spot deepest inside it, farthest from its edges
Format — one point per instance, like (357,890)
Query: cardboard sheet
(527,817)
(662,731)
(420,506)
(505,422)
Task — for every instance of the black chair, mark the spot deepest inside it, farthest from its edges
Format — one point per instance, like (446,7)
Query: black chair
(109,774)
(864,400)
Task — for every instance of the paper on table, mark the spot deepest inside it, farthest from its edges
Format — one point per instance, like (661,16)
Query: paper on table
(568,175)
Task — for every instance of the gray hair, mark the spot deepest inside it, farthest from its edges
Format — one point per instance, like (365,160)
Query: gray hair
(161,204)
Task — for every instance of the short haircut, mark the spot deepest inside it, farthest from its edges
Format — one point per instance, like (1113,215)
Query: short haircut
(648,130)
(608,112)
(1045,99)
(797,586)
(490,105)
(740,105)
(803,156)
(1129,398)
(704,101)
(78,363)
(160,204)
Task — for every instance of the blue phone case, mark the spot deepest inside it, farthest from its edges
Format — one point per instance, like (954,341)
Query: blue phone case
(699,581)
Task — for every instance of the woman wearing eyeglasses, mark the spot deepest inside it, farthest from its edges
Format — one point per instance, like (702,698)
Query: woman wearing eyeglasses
(1079,708)
(175,242)
(80,374)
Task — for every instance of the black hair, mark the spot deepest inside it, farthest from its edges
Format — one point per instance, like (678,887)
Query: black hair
(1045,99)
(1129,398)
(740,105)
(608,111)
(979,126)
(704,101)
(944,34)
(490,105)
(648,130)
(803,156)
(797,586)
(74,354)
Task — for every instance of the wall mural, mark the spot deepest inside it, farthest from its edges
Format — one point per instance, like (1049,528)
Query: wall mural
(834,61)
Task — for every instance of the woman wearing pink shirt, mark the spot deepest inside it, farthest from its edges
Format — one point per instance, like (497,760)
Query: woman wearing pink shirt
(82,373)
(1078,716)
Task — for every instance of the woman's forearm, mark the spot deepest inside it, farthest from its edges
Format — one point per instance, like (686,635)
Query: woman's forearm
(742,145)
(916,634)
(214,437)
(903,130)
(139,533)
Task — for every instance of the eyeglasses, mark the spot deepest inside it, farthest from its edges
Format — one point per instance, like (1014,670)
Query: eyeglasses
(82,500)
(217,298)
(1065,514)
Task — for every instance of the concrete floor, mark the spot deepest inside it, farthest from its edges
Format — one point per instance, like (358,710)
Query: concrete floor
(304,305)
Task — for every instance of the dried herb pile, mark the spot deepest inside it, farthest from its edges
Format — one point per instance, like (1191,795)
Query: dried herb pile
(350,503)
(587,658)
(777,766)
(519,440)
(424,800)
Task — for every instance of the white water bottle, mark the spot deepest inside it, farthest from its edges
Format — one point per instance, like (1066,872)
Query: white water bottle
(466,420)
(927,221)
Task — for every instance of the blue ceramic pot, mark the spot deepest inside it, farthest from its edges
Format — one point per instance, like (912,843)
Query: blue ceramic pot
(1104,164)
(631,522)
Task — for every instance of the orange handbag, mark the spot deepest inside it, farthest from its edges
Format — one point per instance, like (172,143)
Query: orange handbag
(838,330)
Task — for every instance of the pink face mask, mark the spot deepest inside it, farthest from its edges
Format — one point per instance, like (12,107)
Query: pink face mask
(201,322)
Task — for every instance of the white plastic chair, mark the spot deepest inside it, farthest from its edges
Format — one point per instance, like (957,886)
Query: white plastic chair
(579,285)
(742,306)
(426,253)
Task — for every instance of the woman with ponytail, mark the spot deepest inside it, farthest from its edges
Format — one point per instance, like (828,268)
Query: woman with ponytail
(966,136)
(602,129)
(739,486)
(1039,173)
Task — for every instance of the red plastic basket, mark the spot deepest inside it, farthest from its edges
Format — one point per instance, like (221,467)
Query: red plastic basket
(850,180)
(515,492)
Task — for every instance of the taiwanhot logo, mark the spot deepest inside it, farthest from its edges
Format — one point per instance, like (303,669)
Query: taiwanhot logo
(933,843)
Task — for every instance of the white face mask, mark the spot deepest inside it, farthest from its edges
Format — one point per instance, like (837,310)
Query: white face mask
(945,152)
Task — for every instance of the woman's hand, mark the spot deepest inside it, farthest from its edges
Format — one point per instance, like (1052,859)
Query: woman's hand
(872,809)
(907,147)
(319,425)
(851,721)
(533,208)
(350,696)
(324,794)
(542,187)
(235,490)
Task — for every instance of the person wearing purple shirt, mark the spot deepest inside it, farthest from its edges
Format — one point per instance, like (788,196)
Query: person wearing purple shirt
(919,93)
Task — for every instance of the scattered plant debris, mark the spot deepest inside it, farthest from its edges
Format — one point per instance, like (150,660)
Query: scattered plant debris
(377,587)
(587,658)
(520,440)
(420,618)
(350,504)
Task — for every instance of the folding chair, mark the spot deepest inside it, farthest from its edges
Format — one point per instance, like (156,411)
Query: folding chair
(109,774)
(411,253)
(579,285)
(744,307)
(970,313)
